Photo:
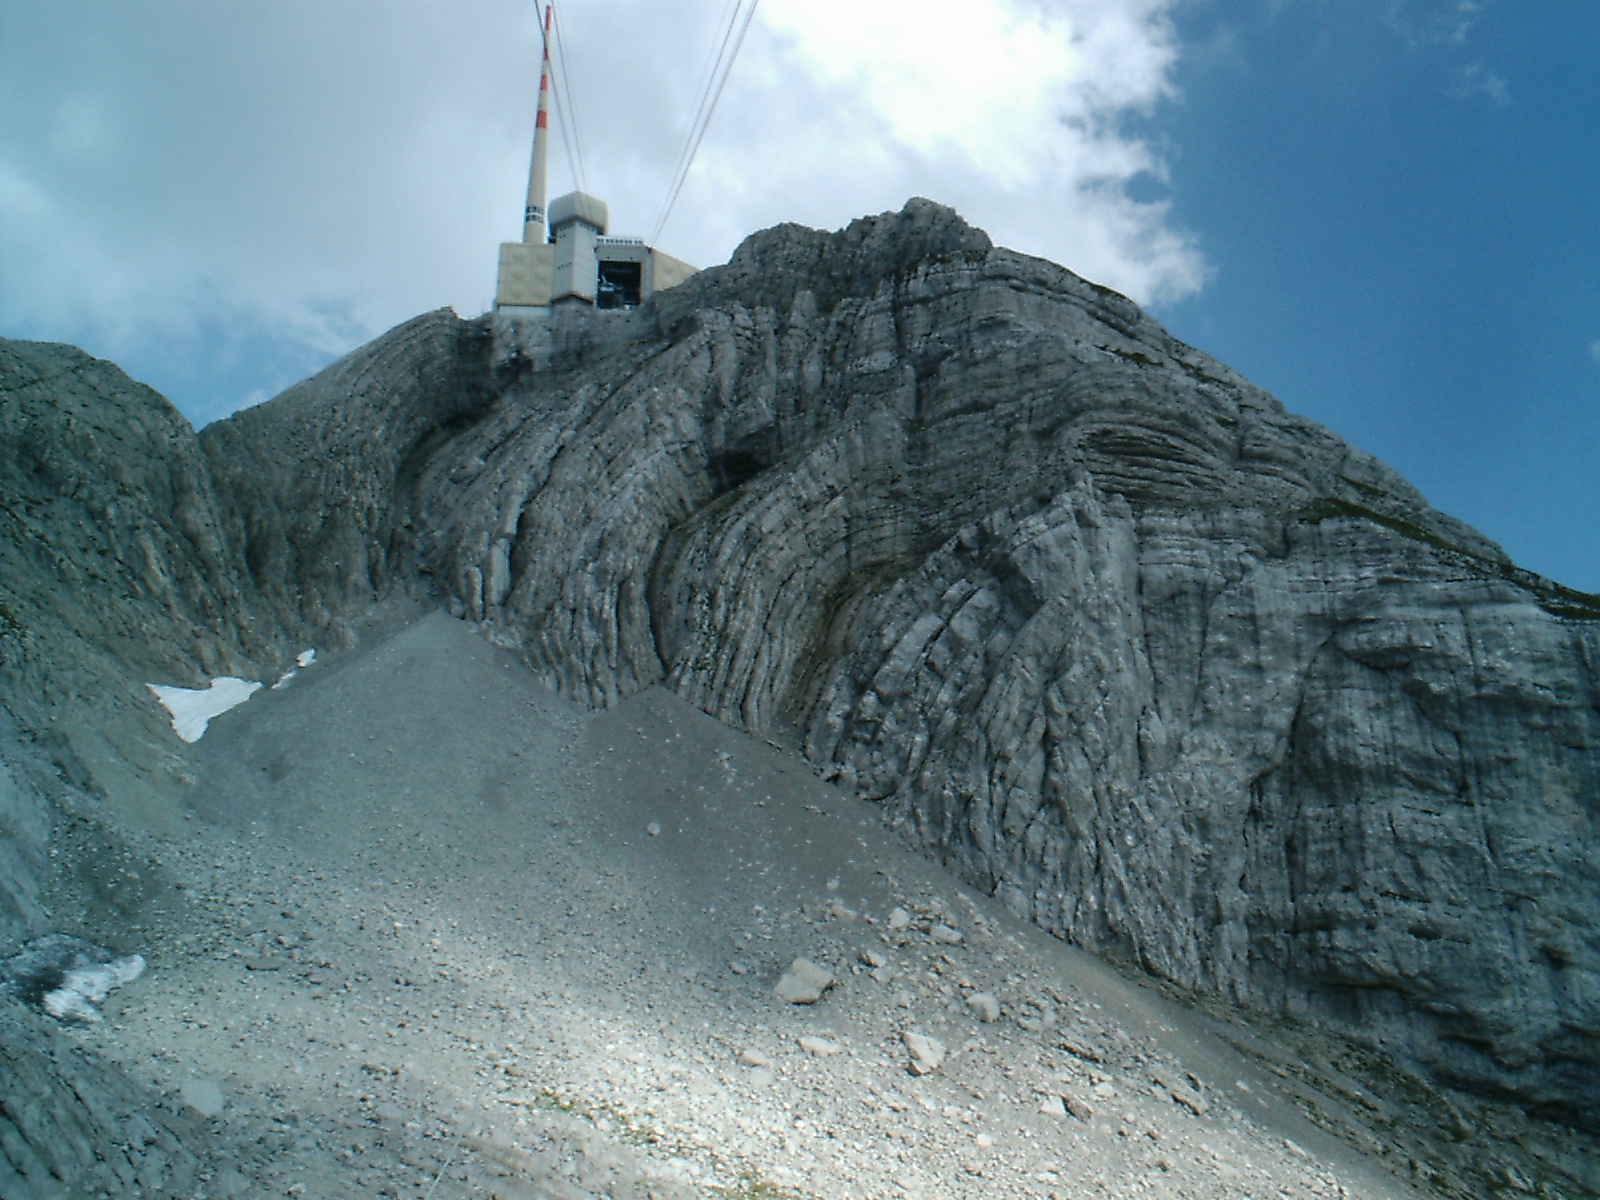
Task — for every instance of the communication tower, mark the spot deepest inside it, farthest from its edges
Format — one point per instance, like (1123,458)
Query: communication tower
(565,255)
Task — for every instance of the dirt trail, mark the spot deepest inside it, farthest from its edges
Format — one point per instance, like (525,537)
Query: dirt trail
(434,920)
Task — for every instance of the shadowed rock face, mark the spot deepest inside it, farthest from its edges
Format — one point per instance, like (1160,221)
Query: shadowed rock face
(307,484)
(114,570)
(1180,676)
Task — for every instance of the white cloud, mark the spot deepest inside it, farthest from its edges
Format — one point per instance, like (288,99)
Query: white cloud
(1475,79)
(1449,25)
(1436,22)
(320,172)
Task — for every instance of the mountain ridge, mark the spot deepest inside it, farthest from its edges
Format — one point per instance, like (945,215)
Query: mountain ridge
(1176,675)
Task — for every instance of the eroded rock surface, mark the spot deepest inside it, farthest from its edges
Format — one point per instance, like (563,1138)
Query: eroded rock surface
(1177,675)
(307,485)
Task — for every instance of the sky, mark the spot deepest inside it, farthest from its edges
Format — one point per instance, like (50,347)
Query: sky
(1385,212)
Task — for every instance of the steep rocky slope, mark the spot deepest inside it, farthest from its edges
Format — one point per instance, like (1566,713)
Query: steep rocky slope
(113,570)
(307,485)
(1172,673)
(1177,675)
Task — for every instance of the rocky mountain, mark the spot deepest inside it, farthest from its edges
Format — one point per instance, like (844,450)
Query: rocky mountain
(1174,674)
(114,569)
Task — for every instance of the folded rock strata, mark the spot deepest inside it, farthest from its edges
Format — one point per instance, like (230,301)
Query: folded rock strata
(1179,676)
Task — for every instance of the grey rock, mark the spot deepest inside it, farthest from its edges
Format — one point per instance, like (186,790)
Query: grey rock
(24,846)
(1176,675)
(927,1053)
(204,1096)
(80,1126)
(230,1183)
(115,571)
(803,983)
(310,486)
(1077,1107)
(984,1006)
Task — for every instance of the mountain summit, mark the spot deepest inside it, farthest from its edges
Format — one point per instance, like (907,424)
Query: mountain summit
(1169,672)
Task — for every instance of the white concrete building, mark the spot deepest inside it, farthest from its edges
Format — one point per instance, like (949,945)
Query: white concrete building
(575,262)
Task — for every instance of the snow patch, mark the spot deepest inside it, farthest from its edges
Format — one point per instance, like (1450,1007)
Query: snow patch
(306,657)
(67,976)
(193,708)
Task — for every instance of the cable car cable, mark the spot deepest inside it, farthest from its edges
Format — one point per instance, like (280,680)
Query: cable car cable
(570,106)
(710,110)
(729,19)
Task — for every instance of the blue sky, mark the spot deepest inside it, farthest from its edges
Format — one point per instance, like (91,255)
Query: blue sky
(1383,211)
(1403,215)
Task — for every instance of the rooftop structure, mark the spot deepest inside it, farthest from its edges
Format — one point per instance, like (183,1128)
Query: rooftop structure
(575,262)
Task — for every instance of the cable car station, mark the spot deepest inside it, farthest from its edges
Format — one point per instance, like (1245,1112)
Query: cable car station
(565,256)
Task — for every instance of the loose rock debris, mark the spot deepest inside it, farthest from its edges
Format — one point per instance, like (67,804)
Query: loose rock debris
(520,993)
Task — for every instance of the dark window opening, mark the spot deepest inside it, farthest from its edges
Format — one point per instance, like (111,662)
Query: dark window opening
(621,285)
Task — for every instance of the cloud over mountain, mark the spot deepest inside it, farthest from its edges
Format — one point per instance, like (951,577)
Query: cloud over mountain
(310,174)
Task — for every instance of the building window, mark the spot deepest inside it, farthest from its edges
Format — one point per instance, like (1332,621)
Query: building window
(621,285)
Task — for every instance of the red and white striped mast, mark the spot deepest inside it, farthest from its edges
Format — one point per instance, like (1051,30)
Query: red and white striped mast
(533,222)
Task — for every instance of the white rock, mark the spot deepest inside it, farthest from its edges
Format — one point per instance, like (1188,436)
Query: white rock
(819,1047)
(899,918)
(945,935)
(204,1096)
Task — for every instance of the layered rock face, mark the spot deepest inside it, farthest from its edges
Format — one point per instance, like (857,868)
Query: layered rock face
(114,570)
(307,484)
(1181,677)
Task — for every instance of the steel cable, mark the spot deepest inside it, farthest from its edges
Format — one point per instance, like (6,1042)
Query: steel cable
(567,104)
(707,108)
(730,16)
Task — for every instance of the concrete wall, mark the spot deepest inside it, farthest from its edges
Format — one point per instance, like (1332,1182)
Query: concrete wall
(575,273)
(534,275)
(526,277)
(666,271)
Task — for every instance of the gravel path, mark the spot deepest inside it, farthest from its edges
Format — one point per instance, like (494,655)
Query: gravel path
(440,934)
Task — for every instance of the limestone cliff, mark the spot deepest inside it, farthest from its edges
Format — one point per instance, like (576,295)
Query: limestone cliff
(1178,675)
(307,484)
